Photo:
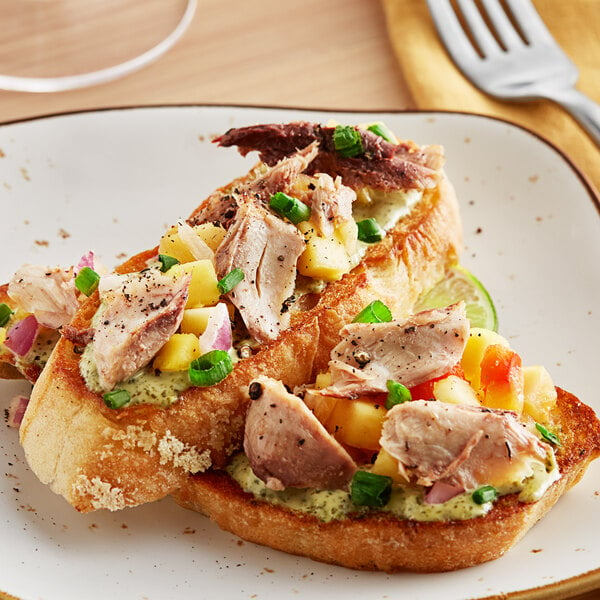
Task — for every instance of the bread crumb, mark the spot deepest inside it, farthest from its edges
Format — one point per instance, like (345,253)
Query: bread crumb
(101,493)
(181,455)
(134,435)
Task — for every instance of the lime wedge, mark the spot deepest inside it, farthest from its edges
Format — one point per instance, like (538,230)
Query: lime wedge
(460,284)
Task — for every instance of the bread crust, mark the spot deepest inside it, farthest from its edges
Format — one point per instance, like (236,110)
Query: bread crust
(101,458)
(382,542)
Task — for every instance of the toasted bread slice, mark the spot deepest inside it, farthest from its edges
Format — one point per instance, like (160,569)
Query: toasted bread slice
(98,457)
(380,541)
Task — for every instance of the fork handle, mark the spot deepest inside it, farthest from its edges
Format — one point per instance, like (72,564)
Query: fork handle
(581,107)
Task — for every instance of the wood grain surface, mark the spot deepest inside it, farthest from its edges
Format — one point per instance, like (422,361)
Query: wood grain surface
(309,54)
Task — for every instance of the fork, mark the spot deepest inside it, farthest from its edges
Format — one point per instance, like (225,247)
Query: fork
(507,52)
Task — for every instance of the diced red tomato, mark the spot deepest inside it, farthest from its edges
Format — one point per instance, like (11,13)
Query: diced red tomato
(424,391)
(499,364)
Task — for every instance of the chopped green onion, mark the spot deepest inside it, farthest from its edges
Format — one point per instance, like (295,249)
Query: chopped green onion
(382,131)
(210,368)
(166,262)
(230,280)
(87,281)
(376,312)
(370,489)
(291,208)
(5,312)
(548,435)
(347,141)
(116,398)
(397,394)
(369,231)
(486,493)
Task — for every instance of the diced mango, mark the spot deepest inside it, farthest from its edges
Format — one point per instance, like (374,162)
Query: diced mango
(479,340)
(195,320)
(386,464)
(177,354)
(212,235)
(19,314)
(307,229)
(539,393)
(347,234)
(172,245)
(503,396)
(302,185)
(454,390)
(203,289)
(502,378)
(357,423)
(324,258)
(2,334)
(323,380)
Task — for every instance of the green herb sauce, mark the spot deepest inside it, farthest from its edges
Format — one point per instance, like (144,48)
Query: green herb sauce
(406,502)
(41,349)
(145,387)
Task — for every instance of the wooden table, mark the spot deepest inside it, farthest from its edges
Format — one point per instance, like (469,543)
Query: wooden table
(309,54)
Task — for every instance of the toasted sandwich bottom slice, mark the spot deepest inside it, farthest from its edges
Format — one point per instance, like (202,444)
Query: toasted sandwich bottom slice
(381,542)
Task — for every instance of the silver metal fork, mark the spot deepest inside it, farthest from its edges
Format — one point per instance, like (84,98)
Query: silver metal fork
(512,55)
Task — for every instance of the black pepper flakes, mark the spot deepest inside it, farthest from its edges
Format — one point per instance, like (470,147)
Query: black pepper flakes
(362,357)
(255,390)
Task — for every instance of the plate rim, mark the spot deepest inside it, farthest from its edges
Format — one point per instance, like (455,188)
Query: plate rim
(585,180)
(577,584)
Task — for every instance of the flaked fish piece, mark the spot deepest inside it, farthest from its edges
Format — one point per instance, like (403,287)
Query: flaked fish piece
(425,346)
(281,176)
(331,206)
(266,249)
(460,445)
(139,313)
(431,156)
(287,446)
(221,208)
(49,293)
(275,140)
(382,165)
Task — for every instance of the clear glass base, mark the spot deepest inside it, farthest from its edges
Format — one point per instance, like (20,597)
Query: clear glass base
(57,45)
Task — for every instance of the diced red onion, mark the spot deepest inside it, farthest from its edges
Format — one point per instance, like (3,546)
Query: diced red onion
(87,260)
(442,492)
(217,335)
(16,410)
(21,336)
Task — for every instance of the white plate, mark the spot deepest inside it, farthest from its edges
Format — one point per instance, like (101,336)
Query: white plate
(113,180)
